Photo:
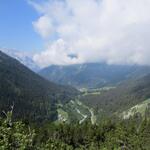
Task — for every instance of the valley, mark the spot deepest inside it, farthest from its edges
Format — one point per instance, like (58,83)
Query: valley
(63,103)
(80,111)
(75,111)
(75,75)
(50,116)
(92,75)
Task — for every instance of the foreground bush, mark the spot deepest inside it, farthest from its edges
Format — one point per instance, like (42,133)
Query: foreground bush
(120,135)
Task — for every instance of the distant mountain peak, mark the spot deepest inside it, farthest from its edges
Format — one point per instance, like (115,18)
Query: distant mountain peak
(92,75)
(23,57)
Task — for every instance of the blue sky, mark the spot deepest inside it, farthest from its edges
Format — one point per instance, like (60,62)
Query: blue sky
(16,29)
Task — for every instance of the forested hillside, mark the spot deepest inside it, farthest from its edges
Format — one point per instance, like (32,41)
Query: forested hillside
(33,97)
(96,119)
(123,97)
(93,75)
(130,134)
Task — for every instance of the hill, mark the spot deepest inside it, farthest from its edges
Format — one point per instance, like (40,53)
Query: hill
(116,100)
(142,108)
(92,75)
(34,98)
(128,99)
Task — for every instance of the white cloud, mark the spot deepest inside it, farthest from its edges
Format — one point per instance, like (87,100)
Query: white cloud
(115,31)
(44,26)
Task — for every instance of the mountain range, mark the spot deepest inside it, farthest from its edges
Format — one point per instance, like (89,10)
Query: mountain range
(92,75)
(106,90)
(87,75)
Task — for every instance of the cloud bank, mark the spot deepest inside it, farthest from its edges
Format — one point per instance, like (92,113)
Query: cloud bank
(111,31)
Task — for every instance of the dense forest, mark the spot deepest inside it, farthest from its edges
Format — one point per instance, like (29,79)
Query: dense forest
(132,134)
(33,97)
(124,96)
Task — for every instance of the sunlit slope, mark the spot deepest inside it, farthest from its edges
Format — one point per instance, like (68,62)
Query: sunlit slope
(75,111)
(139,109)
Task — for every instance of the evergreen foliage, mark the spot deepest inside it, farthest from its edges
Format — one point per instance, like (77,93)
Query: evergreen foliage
(123,97)
(108,135)
(34,98)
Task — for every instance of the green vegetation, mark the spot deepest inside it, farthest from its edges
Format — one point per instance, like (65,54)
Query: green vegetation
(73,111)
(51,117)
(62,115)
(76,111)
(15,135)
(34,98)
(141,109)
(117,100)
(97,91)
(84,108)
(108,135)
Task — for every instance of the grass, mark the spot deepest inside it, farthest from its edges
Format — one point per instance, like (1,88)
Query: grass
(62,115)
(97,91)
(140,108)
(70,112)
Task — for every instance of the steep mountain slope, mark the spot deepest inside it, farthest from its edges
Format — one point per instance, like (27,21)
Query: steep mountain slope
(123,97)
(34,98)
(92,75)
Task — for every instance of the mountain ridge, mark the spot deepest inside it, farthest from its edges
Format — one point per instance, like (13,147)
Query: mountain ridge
(92,75)
(33,96)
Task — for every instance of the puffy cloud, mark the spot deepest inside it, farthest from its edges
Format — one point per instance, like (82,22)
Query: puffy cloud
(44,26)
(116,32)
(54,55)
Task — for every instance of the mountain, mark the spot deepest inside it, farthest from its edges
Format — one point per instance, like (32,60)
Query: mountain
(92,75)
(126,100)
(38,99)
(23,57)
(33,97)
(126,96)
